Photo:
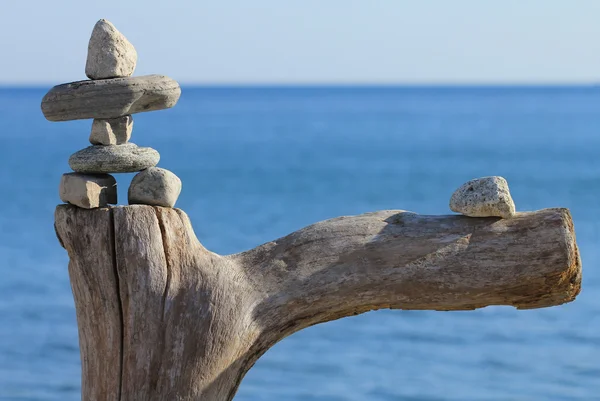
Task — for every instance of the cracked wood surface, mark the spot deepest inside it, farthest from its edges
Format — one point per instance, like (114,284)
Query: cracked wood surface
(162,318)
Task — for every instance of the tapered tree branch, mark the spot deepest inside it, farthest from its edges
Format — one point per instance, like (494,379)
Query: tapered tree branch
(189,323)
(401,260)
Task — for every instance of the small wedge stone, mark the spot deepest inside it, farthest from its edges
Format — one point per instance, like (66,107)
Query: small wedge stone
(483,197)
(113,131)
(127,158)
(154,186)
(88,191)
(110,54)
(110,98)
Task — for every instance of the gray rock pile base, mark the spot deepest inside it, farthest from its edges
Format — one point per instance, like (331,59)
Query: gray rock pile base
(154,186)
(88,190)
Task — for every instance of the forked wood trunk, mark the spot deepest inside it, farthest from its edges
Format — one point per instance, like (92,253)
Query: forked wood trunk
(162,318)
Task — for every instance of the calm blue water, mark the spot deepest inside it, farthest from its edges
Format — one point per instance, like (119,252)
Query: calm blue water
(259,163)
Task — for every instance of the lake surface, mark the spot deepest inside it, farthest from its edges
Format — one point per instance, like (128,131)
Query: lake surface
(259,163)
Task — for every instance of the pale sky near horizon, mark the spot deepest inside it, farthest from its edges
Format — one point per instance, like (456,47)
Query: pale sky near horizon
(312,41)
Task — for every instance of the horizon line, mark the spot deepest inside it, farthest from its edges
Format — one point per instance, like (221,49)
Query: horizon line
(441,84)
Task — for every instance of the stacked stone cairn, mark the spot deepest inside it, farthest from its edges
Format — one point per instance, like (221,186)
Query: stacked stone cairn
(110,97)
(484,197)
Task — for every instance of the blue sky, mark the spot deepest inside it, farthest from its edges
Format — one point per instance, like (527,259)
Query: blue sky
(313,41)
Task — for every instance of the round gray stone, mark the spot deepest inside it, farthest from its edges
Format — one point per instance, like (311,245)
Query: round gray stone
(126,158)
(154,186)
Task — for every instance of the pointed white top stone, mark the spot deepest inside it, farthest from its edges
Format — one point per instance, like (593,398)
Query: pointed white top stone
(110,55)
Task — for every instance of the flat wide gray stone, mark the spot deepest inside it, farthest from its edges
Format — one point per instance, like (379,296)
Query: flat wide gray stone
(110,98)
(88,190)
(112,131)
(110,55)
(483,197)
(155,187)
(127,158)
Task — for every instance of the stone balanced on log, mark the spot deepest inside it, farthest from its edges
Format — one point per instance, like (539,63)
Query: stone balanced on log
(110,98)
(162,318)
(484,197)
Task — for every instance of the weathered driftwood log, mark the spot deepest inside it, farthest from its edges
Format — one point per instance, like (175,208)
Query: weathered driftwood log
(162,318)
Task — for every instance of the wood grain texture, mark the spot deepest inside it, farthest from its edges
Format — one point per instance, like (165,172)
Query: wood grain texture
(88,239)
(193,322)
(142,270)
